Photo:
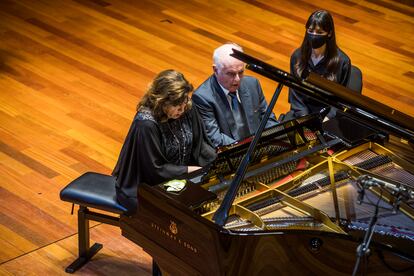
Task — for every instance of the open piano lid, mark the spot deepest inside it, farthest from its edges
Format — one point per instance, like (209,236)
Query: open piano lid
(336,95)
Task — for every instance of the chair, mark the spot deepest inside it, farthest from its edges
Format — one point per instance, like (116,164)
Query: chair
(354,83)
(355,80)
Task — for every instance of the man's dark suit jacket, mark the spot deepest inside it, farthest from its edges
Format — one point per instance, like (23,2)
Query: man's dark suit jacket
(215,110)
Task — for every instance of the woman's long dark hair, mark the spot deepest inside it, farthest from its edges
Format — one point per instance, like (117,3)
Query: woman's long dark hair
(324,21)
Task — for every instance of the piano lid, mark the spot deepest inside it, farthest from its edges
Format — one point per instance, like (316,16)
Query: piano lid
(333,94)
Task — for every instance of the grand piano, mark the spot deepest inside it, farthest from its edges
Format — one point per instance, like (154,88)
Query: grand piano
(306,197)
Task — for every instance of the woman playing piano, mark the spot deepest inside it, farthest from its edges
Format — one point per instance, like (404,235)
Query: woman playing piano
(320,54)
(166,139)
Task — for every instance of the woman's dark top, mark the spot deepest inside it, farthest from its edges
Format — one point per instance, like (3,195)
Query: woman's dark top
(154,152)
(303,105)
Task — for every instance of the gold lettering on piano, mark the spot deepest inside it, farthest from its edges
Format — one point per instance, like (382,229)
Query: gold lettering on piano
(171,233)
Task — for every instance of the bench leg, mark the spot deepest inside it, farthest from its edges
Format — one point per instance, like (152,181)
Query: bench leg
(85,251)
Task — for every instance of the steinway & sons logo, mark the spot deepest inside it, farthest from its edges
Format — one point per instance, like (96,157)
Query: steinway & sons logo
(171,233)
(173,227)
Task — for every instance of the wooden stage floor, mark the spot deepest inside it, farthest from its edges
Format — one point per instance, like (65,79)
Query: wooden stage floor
(71,73)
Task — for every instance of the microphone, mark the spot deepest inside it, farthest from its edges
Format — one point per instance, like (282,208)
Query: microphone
(399,191)
(368,181)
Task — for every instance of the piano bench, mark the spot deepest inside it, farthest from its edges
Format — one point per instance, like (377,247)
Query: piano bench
(96,191)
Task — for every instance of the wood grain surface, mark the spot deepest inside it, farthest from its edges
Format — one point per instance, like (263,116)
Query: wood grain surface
(72,72)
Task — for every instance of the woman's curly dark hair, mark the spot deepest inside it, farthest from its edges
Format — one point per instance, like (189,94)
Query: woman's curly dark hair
(169,88)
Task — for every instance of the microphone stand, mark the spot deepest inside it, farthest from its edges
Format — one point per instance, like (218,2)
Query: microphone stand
(366,181)
(400,192)
(363,248)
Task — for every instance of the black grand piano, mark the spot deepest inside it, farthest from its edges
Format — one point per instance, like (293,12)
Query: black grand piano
(307,198)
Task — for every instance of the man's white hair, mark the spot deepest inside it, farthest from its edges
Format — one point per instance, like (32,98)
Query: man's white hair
(221,55)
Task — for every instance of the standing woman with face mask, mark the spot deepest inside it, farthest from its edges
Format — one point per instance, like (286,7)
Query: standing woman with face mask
(319,54)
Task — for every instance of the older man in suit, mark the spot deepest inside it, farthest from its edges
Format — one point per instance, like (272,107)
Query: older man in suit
(231,104)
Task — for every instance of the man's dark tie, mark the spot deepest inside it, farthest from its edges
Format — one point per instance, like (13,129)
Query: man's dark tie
(242,129)
(234,101)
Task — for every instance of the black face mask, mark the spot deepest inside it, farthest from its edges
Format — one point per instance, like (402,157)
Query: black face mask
(317,41)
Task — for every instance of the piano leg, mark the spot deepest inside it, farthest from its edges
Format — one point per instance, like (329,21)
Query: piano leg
(156,271)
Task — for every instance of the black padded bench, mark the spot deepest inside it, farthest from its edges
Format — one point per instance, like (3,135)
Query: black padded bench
(97,191)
